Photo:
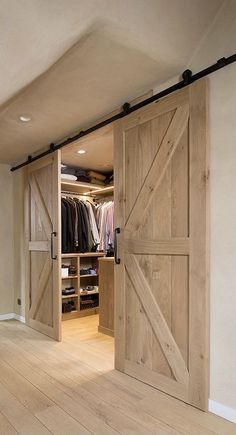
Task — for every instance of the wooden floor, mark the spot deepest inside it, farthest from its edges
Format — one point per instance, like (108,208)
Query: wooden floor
(71,388)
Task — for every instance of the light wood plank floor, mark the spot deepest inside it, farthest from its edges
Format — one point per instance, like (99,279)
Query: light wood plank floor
(71,388)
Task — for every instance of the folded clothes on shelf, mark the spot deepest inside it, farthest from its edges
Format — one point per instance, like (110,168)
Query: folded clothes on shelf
(88,271)
(68,177)
(68,291)
(68,306)
(95,181)
(72,270)
(88,288)
(96,175)
(88,303)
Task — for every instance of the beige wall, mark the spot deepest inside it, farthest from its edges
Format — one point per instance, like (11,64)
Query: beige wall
(223,237)
(221,41)
(6,242)
(19,242)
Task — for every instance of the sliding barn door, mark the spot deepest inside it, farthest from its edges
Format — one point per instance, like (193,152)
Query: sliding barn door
(43,228)
(161,293)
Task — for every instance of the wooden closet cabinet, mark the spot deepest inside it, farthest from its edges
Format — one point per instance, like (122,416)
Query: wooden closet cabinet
(106,295)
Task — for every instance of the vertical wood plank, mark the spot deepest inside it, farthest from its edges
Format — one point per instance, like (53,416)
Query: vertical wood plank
(119,222)
(161,276)
(56,264)
(180,228)
(198,279)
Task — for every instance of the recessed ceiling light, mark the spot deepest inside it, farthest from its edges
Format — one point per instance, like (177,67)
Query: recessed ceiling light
(24,118)
(81,152)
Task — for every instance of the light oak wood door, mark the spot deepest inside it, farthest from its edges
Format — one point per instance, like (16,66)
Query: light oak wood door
(161,289)
(44,246)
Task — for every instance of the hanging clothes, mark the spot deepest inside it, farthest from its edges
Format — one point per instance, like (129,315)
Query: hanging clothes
(105,219)
(93,223)
(79,227)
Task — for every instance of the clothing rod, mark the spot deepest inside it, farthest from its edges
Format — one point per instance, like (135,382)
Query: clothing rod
(187,77)
(66,192)
(103,199)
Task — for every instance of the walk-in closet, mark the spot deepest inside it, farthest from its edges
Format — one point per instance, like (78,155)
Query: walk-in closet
(87,229)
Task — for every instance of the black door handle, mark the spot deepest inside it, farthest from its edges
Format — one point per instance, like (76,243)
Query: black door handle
(53,257)
(117,259)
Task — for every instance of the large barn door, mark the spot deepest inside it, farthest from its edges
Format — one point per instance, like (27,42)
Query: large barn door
(44,312)
(161,292)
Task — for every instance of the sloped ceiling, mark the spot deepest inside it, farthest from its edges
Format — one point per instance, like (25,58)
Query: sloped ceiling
(66,63)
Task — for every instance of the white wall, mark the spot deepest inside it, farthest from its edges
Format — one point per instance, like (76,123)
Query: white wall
(220,41)
(6,242)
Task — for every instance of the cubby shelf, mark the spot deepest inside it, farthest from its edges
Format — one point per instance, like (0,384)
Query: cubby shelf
(93,292)
(70,296)
(89,275)
(70,277)
(81,261)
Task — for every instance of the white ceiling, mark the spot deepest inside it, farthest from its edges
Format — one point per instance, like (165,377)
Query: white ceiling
(68,62)
(98,148)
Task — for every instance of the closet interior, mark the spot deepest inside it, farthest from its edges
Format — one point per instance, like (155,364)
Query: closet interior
(87,232)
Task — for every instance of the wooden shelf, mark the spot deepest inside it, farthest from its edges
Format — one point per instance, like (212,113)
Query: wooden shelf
(92,254)
(70,277)
(103,190)
(92,292)
(94,310)
(70,296)
(86,276)
(80,187)
(87,254)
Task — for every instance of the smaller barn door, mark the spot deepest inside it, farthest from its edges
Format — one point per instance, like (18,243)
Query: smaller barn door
(43,234)
(161,293)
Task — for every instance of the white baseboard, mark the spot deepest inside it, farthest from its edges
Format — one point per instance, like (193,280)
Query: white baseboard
(222,410)
(10,316)
(20,318)
(7,316)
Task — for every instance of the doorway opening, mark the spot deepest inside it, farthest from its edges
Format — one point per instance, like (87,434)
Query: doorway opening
(87,243)
(161,276)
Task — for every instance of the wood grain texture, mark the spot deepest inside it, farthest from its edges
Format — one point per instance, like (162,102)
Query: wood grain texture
(150,112)
(41,285)
(157,380)
(71,388)
(176,246)
(42,207)
(119,273)
(161,156)
(43,310)
(158,168)
(199,255)
(38,246)
(159,325)
(106,296)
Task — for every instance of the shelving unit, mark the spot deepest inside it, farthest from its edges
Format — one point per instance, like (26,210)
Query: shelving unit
(86,190)
(81,261)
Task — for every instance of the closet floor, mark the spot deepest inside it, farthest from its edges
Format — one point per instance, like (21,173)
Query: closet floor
(71,388)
